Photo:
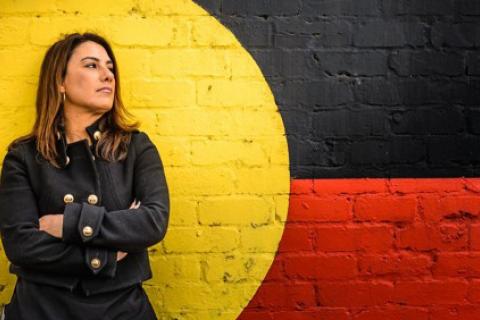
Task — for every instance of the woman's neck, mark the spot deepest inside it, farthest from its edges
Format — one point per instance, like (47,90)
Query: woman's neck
(76,124)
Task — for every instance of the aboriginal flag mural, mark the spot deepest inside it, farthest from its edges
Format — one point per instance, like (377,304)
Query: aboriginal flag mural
(380,104)
(322,155)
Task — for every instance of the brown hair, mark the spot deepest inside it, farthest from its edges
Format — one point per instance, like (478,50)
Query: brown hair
(116,131)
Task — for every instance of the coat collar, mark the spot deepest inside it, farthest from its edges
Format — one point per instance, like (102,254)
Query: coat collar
(93,130)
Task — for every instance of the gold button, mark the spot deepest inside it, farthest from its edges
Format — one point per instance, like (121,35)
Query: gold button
(92,199)
(95,263)
(68,198)
(96,135)
(87,231)
(67,160)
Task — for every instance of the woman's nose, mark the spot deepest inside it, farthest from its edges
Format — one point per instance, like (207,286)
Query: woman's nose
(107,74)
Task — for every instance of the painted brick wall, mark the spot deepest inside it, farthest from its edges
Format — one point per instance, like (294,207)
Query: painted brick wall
(203,101)
(380,101)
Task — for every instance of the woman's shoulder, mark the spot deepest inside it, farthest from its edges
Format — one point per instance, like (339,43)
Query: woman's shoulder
(22,144)
(141,142)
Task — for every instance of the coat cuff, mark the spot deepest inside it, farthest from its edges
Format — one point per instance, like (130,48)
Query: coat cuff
(90,221)
(71,215)
(101,261)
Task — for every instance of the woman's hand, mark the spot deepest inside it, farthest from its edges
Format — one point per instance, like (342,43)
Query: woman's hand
(121,254)
(52,224)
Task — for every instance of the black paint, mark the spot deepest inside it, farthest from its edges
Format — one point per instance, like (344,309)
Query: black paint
(371,88)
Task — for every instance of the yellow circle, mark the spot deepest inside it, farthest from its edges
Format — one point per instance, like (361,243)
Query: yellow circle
(206,105)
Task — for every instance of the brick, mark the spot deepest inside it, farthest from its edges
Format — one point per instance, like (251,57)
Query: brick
(473,63)
(349,186)
(459,35)
(296,238)
(301,186)
(93,7)
(229,152)
(183,268)
(207,297)
(286,63)
(390,208)
(381,34)
(355,63)
(419,7)
(20,62)
(446,150)
(260,8)
(450,207)
(409,92)
(176,8)
(469,8)
(236,211)
(280,295)
(301,33)
(475,236)
(319,209)
(323,313)
(161,93)
(320,267)
(429,121)
(235,268)
(406,63)
(370,152)
(187,212)
(253,32)
(472,118)
(430,292)
(457,312)
(13,31)
(322,93)
(398,264)
(351,238)
(472,184)
(425,185)
(260,239)
(473,294)
(342,122)
(10,103)
(425,237)
(202,240)
(393,313)
(341,8)
(354,294)
(408,151)
(165,32)
(29,6)
(191,63)
(457,264)
(240,93)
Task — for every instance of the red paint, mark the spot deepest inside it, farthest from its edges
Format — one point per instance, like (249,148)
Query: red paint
(368,249)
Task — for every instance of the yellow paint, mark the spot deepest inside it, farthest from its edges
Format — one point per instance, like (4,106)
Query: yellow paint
(204,102)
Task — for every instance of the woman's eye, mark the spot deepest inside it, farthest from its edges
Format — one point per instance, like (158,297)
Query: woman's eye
(92,64)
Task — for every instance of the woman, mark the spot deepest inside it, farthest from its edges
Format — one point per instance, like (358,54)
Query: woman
(82,196)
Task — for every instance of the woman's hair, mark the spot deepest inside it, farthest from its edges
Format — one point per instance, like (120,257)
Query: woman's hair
(116,131)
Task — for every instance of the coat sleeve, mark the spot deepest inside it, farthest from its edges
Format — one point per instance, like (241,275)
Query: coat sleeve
(128,230)
(24,244)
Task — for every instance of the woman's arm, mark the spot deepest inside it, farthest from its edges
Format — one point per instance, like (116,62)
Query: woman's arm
(128,230)
(25,245)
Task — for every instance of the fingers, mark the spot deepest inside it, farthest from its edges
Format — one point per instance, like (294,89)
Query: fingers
(135,205)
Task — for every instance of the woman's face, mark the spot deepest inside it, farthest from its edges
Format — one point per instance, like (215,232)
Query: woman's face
(89,81)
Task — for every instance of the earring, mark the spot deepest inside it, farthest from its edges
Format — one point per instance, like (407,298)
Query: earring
(64,97)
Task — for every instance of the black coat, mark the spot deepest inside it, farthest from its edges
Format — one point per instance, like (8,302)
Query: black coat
(94,196)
